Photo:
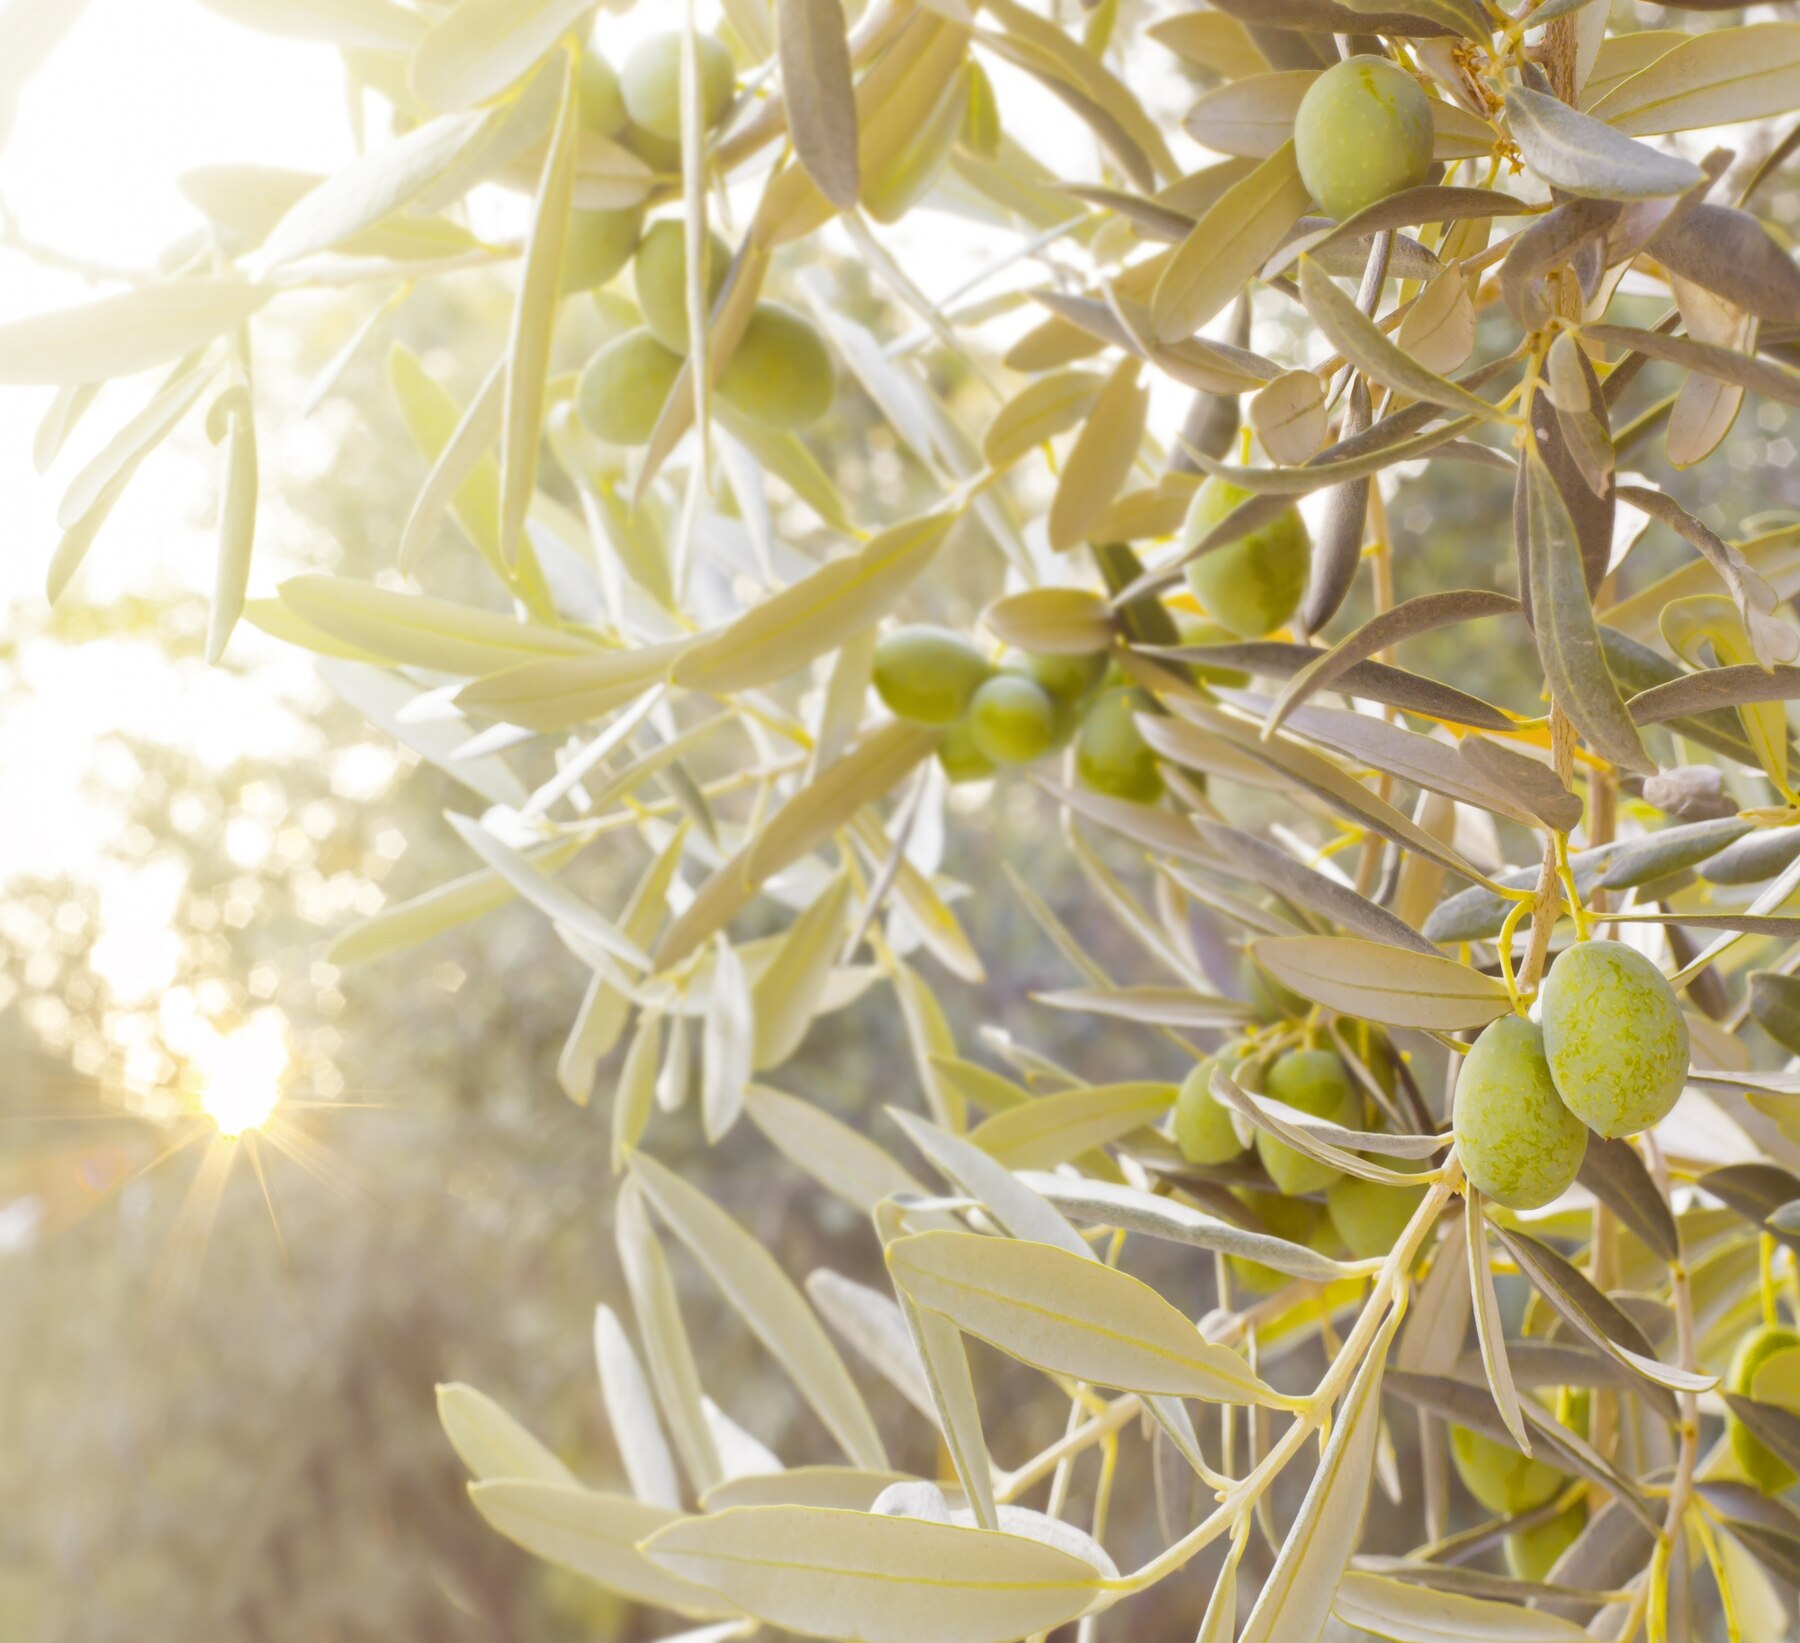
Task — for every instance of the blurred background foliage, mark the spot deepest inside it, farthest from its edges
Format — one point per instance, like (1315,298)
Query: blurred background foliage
(217,1359)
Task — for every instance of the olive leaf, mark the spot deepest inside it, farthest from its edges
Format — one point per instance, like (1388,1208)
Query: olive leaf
(752,1280)
(1068,1315)
(817,91)
(1228,245)
(1580,154)
(1392,985)
(1563,620)
(886,1579)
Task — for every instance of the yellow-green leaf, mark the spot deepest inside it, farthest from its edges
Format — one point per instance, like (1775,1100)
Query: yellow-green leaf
(1070,1316)
(478,48)
(752,1280)
(129,332)
(880,1579)
(1392,985)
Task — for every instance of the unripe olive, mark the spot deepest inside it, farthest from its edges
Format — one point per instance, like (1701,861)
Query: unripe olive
(652,83)
(1011,720)
(1532,1553)
(598,244)
(1298,1220)
(962,760)
(1067,678)
(1195,632)
(660,278)
(622,392)
(1315,1082)
(659,153)
(1363,132)
(1614,1037)
(1518,1143)
(928,675)
(780,374)
(1111,755)
(1498,1476)
(1253,585)
(1767,1470)
(1369,1215)
(1204,1128)
(601,104)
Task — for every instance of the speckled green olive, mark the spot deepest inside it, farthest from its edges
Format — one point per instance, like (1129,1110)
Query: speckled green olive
(1498,1476)
(622,392)
(962,760)
(1314,1082)
(1111,755)
(1204,1128)
(601,103)
(1363,132)
(928,675)
(1011,720)
(1194,632)
(1253,585)
(598,244)
(1370,1216)
(780,373)
(1532,1553)
(1067,678)
(1298,1220)
(652,83)
(1518,1143)
(1614,1037)
(660,278)
(1767,1470)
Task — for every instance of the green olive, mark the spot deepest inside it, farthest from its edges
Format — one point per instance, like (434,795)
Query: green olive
(1498,1476)
(652,83)
(1614,1037)
(928,675)
(1767,1470)
(1111,755)
(660,277)
(1518,1143)
(1532,1553)
(1363,132)
(598,244)
(1068,678)
(780,373)
(962,760)
(601,103)
(1012,720)
(1314,1082)
(622,392)
(1204,1127)
(1370,1215)
(659,153)
(1253,585)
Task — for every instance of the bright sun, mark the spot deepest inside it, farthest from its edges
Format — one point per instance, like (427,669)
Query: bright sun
(241,1073)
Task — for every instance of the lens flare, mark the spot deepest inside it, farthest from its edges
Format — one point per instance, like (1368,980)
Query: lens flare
(241,1073)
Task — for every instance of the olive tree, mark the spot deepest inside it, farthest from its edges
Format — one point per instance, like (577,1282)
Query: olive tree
(1477,1016)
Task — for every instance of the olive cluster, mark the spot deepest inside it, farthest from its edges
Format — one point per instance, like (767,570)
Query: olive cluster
(1018,711)
(780,374)
(1608,1054)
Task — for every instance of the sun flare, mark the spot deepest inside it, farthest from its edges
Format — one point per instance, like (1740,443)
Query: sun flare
(241,1074)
